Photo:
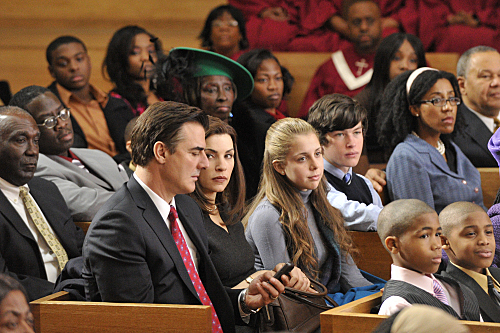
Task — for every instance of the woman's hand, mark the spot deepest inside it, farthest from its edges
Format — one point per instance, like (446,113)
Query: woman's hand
(296,279)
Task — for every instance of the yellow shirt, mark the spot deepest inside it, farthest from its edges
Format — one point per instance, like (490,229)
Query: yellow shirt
(481,279)
(91,118)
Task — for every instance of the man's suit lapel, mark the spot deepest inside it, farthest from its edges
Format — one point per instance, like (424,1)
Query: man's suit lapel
(100,175)
(485,303)
(475,129)
(13,217)
(153,217)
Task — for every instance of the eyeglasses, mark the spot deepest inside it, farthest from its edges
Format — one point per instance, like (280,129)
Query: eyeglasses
(51,122)
(220,24)
(440,102)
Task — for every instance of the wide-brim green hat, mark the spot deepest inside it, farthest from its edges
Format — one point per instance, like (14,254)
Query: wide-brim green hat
(211,63)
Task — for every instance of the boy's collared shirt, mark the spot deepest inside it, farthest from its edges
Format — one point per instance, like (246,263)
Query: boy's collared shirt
(395,303)
(357,215)
(91,118)
(481,279)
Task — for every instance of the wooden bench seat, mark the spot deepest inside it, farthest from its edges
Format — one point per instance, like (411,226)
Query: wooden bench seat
(356,317)
(56,314)
(373,257)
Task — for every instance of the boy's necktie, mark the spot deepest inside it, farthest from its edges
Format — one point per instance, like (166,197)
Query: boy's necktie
(188,262)
(439,292)
(492,292)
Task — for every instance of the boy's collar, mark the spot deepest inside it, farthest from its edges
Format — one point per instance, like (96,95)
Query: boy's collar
(480,278)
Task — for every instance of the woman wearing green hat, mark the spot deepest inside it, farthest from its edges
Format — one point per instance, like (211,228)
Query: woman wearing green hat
(207,80)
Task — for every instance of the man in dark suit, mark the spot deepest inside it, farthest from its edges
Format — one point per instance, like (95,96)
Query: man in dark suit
(478,72)
(25,253)
(138,250)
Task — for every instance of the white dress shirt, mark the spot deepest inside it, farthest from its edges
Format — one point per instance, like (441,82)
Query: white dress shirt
(357,215)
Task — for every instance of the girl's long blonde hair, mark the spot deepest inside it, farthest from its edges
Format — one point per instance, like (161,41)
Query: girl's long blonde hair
(282,194)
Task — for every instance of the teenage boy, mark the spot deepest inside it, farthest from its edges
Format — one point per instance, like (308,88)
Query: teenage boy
(409,229)
(98,119)
(341,123)
(470,245)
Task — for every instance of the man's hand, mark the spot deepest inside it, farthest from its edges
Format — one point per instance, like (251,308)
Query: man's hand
(377,177)
(263,290)
(275,13)
(462,17)
(389,22)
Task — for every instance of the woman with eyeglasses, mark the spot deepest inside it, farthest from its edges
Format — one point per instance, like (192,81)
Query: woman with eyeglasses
(224,32)
(419,111)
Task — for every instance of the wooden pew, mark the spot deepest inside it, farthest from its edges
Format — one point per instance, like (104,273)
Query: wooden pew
(373,257)
(84,225)
(490,183)
(356,317)
(56,314)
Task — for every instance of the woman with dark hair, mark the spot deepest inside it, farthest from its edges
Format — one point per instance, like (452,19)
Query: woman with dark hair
(130,65)
(258,112)
(396,54)
(419,110)
(224,32)
(15,312)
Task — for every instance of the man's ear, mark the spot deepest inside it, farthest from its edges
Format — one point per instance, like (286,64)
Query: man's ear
(461,85)
(160,152)
(392,243)
(278,166)
(445,243)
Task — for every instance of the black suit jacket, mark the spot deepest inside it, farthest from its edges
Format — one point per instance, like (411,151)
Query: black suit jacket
(473,139)
(489,310)
(117,114)
(19,252)
(130,256)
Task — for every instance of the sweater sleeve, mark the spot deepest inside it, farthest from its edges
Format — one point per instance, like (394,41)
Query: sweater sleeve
(350,275)
(265,236)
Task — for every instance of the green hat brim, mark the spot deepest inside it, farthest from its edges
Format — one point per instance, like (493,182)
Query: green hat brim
(210,63)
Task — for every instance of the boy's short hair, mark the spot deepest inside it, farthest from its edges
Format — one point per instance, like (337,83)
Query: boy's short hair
(454,214)
(396,217)
(61,41)
(336,112)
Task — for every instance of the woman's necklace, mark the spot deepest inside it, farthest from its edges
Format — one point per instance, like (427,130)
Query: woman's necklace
(440,148)
(210,210)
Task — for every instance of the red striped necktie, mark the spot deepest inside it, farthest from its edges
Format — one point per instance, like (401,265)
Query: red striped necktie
(188,262)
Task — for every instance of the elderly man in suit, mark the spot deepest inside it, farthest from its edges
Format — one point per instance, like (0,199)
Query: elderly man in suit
(37,233)
(148,243)
(478,72)
(87,178)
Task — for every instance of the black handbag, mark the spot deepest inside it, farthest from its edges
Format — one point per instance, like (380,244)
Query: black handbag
(295,310)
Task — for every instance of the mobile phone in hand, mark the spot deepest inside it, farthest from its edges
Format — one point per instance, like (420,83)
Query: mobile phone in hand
(287,268)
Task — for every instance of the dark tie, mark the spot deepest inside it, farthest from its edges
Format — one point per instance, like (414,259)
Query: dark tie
(494,295)
(347,178)
(188,262)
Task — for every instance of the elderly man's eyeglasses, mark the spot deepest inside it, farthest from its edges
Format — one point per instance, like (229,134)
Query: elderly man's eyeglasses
(440,102)
(51,122)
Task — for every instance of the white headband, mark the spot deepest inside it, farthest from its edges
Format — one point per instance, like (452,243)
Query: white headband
(414,75)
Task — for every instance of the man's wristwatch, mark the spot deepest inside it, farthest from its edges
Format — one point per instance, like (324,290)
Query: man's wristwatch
(243,305)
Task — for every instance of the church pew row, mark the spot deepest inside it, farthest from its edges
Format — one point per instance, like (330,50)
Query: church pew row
(356,317)
(56,314)
(490,183)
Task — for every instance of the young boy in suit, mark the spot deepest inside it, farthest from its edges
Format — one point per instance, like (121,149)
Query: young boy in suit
(341,123)
(409,229)
(470,245)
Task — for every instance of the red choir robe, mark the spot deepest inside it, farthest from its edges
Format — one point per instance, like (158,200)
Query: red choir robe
(345,73)
(438,36)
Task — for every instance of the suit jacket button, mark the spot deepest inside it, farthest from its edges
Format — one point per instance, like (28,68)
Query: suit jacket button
(476,190)
(464,182)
